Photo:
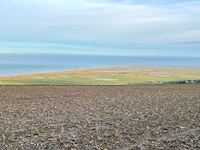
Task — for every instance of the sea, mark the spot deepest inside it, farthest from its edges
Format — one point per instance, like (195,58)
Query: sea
(21,64)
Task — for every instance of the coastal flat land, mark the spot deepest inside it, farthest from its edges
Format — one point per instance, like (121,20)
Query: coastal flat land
(100,117)
(126,75)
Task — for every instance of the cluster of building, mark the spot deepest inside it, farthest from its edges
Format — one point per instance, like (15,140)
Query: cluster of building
(187,81)
(192,81)
(177,82)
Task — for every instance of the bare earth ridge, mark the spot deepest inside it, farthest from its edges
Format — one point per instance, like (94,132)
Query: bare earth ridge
(100,117)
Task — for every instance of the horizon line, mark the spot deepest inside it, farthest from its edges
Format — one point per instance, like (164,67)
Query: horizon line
(100,55)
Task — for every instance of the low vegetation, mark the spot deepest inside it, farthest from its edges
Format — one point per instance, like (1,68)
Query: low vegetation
(126,75)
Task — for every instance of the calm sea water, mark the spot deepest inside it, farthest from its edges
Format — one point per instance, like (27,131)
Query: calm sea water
(18,64)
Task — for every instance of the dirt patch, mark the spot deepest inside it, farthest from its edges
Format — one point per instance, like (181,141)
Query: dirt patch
(100,117)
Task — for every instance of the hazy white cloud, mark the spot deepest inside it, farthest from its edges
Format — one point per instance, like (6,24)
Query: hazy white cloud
(183,43)
(108,23)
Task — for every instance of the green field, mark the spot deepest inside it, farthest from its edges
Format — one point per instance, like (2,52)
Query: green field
(127,75)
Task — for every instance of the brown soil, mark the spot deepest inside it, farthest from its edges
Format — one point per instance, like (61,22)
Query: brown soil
(100,117)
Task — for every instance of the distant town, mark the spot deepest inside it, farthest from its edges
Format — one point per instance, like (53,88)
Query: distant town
(177,82)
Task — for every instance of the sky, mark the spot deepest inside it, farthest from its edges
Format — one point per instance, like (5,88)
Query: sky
(101,27)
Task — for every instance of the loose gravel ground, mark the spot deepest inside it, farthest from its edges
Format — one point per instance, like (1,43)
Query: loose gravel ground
(100,117)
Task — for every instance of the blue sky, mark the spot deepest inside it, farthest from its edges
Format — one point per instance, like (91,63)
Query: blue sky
(101,27)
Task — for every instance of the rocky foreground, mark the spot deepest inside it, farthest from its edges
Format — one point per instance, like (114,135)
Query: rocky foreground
(100,117)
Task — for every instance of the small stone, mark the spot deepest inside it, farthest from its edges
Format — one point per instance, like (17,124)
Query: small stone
(52,139)
(100,138)
(160,147)
(18,126)
(91,142)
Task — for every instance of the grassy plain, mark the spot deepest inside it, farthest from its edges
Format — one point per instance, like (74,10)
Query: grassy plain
(126,75)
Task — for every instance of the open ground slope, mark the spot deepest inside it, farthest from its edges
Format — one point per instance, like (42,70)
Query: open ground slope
(100,117)
(127,75)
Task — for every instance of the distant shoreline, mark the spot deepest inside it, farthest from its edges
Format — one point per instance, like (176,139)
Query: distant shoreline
(25,64)
(116,75)
(36,74)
